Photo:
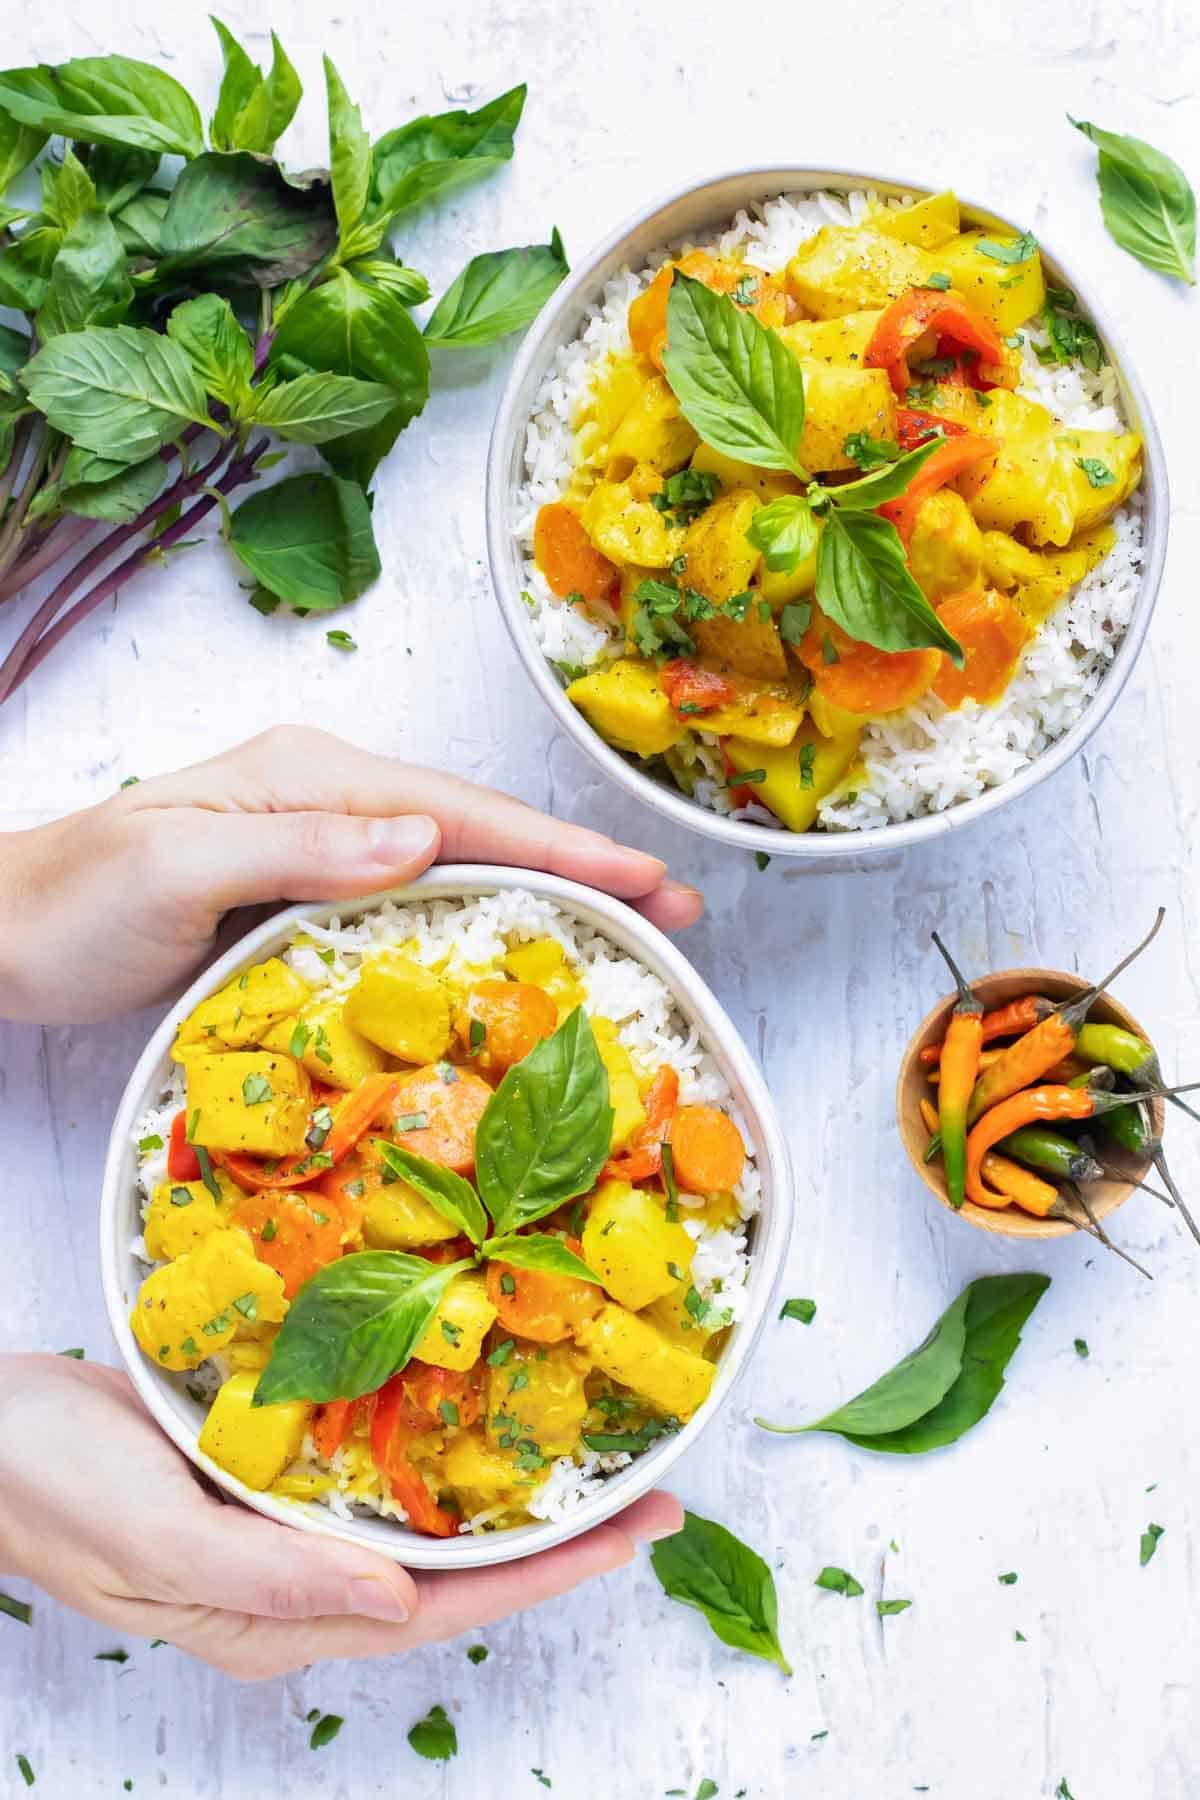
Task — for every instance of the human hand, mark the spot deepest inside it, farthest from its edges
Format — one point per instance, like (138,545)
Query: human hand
(112,908)
(98,1508)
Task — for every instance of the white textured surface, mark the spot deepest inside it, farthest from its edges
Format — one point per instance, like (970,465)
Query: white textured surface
(615,1692)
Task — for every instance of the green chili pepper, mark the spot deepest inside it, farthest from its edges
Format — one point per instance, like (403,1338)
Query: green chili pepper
(1051,1151)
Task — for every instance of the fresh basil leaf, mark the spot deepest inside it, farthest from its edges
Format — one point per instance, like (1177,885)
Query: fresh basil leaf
(497,293)
(121,391)
(120,172)
(19,144)
(353,1325)
(1146,201)
(448,1193)
(887,483)
(736,382)
(308,540)
(68,191)
(346,327)
(706,1567)
(219,350)
(349,168)
(241,220)
(89,280)
(546,1131)
(315,408)
(864,585)
(433,154)
(120,499)
(434,1736)
(407,285)
(252,113)
(839,1581)
(536,1250)
(105,100)
(25,268)
(785,531)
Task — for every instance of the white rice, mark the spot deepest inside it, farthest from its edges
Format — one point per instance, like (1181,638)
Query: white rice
(465,939)
(927,757)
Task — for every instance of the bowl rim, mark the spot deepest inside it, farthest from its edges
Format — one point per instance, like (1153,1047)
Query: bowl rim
(120,1219)
(505,451)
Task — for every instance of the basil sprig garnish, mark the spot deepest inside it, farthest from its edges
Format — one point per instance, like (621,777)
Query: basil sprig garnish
(1146,202)
(742,389)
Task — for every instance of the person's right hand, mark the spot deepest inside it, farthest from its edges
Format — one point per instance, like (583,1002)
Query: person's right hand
(98,1508)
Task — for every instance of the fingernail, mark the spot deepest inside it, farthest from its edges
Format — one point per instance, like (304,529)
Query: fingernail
(396,841)
(373,1598)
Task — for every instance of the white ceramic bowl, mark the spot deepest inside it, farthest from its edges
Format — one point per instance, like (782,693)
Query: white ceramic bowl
(694,212)
(120,1216)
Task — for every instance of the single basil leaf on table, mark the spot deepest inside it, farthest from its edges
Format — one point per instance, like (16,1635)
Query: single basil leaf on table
(89,280)
(545,1133)
(349,168)
(349,328)
(785,531)
(315,408)
(449,1194)
(497,293)
(882,484)
(207,329)
(435,153)
(120,390)
(706,1567)
(25,268)
(105,100)
(120,172)
(241,220)
(19,144)
(736,382)
(434,1736)
(68,191)
(1146,201)
(407,285)
(864,585)
(308,540)
(252,112)
(353,1325)
(538,1250)
(839,1581)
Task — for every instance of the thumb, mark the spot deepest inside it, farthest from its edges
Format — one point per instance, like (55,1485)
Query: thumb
(237,859)
(244,1563)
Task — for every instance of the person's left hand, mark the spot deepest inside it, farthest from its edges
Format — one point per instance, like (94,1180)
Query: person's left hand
(113,908)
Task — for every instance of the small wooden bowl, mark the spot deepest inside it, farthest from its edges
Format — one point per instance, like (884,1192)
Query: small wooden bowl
(912,1087)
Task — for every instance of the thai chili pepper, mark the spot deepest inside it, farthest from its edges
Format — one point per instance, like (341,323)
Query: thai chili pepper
(1039,1050)
(922,310)
(948,460)
(1006,1021)
(1051,1152)
(959,1068)
(1128,1054)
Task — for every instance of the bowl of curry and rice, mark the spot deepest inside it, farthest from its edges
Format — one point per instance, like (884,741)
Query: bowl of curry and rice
(825,512)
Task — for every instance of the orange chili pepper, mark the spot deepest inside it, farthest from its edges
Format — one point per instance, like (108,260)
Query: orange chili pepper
(1006,1021)
(959,1067)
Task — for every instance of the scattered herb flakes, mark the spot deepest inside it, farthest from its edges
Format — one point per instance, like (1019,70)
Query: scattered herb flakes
(1009,1580)
(838,1581)
(761,859)
(804,1310)
(478,1653)
(887,1609)
(1081,1347)
(1149,1543)
(117,1656)
(340,640)
(16,1609)
(76,1354)
(434,1736)
(26,1768)
(325,1730)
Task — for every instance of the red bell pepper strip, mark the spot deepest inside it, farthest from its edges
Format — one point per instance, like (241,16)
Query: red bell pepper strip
(954,321)
(395,1423)
(182,1162)
(947,461)
(688,686)
(644,1156)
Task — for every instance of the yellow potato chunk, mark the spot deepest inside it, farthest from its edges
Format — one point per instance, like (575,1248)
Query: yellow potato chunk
(653,432)
(1007,293)
(946,548)
(182,1212)
(194,1306)
(928,223)
(402,1006)
(796,782)
(253,1443)
(626,528)
(838,403)
(244,1008)
(537,1394)
(396,1217)
(632,1246)
(840,343)
(845,269)
(330,1049)
(632,1351)
(624,1095)
(465,1308)
(544,964)
(253,1100)
(626,704)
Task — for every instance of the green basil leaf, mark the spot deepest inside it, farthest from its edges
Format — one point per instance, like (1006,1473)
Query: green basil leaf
(1146,201)
(964,1357)
(882,484)
(120,172)
(19,144)
(349,328)
(116,389)
(252,113)
(498,292)
(546,1131)
(536,1250)
(140,222)
(433,154)
(68,191)
(105,100)
(89,280)
(864,585)
(349,167)
(706,1567)
(120,499)
(785,531)
(308,540)
(315,408)
(449,1194)
(25,268)
(434,1736)
(736,382)
(241,220)
(408,285)
(219,350)
(839,1581)
(353,1325)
